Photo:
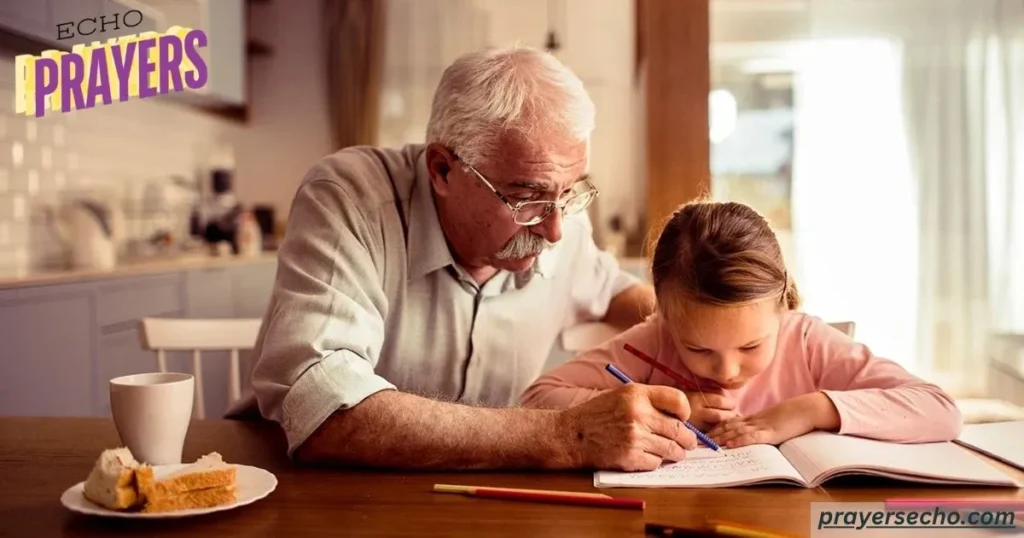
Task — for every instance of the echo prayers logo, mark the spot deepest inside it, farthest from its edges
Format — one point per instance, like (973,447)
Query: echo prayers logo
(141,65)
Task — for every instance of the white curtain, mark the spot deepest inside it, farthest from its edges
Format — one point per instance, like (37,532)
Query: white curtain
(948,93)
(1005,168)
(907,176)
(423,37)
(854,229)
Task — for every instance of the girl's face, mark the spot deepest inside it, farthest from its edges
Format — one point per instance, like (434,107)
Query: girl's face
(726,346)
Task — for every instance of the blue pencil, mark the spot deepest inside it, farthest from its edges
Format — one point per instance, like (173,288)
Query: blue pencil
(700,435)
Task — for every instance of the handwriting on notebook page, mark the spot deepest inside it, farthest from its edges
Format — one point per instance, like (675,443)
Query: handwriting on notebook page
(701,453)
(735,464)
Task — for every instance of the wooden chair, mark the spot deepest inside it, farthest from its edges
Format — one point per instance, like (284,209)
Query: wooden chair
(197,335)
(587,335)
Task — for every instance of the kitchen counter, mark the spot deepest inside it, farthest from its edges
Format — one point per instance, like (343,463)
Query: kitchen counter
(169,263)
(97,315)
(139,267)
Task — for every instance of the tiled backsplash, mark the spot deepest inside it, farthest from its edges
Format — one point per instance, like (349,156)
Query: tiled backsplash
(116,150)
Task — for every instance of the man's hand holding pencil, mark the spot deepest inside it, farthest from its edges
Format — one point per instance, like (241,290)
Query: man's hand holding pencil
(633,428)
(709,406)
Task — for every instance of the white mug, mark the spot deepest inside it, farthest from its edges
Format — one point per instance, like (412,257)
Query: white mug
(152,414)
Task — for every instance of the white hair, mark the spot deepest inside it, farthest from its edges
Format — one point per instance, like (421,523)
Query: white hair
(483,94)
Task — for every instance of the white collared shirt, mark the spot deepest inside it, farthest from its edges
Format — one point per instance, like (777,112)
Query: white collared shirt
(369,298)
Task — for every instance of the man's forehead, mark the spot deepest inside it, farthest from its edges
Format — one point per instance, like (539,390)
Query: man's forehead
(540,162)
(542,149)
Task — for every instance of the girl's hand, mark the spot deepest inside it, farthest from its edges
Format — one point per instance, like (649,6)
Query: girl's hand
(710,409)
(778,424)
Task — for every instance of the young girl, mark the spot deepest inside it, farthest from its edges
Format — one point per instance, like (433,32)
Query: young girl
(759,371)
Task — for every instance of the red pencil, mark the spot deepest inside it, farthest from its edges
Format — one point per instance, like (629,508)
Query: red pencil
(629,504)
(555,497)
(684,383)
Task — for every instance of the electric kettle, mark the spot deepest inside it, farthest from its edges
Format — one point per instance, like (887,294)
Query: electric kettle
(91,231)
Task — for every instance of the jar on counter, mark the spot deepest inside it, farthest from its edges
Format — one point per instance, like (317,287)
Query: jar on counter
(248,235)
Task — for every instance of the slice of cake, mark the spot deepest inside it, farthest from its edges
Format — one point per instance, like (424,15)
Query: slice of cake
(206,483)
(198,498)
(111,482)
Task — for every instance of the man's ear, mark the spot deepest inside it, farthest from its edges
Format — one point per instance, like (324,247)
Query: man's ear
(439,166)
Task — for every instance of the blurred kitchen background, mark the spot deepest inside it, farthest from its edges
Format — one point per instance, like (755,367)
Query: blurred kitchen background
(882,138)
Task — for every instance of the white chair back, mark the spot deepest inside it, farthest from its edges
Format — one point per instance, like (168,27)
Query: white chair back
(587,335)
(197,335)
(847,327)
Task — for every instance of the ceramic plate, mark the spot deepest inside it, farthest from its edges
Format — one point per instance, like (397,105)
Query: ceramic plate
(253,484)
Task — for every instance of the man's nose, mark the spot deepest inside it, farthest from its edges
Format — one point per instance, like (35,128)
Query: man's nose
(551,227)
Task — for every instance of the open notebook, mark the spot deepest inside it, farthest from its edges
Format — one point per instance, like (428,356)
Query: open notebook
(811,460)
(1003,441)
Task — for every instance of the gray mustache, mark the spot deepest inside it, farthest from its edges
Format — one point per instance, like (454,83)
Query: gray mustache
(523,245)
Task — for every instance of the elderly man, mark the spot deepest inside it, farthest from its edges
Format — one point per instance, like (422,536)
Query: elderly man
(420,290)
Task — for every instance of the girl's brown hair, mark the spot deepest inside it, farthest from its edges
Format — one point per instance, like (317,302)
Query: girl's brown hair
(720,253)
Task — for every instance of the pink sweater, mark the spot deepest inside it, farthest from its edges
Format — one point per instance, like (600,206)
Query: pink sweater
(875,397)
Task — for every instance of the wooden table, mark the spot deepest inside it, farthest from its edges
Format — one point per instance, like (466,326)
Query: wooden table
(41,457)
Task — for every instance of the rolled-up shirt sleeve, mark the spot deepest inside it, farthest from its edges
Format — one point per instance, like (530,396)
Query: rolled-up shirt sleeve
(597,277)
(323,330)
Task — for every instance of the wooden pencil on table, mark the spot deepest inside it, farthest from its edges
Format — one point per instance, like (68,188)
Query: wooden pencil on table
(449,488)
(711,528)
(543,496)
(729,528)
(671,531)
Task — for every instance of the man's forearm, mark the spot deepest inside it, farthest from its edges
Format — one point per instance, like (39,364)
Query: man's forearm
(398,430)
(631,306)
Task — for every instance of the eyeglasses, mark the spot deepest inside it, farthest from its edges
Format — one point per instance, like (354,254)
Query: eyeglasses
(533,212)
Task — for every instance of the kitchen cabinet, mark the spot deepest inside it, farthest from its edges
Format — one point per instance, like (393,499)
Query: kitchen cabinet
(241,291)
(223,21)
(31,27)
(250,294)
(31,19)
(209,294)
(44,21)
(225,26)
(80,30)
(250,291)
(60,344)
(118,354)
(122,302)
(46,344)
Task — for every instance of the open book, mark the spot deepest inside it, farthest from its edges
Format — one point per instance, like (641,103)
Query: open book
(811,460)
(1003,441)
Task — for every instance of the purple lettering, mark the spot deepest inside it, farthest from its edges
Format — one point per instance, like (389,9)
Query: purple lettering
(72,72)
(170,64)
(46,82)
(146,67)
(123,66)
(197,77)
(99,79)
